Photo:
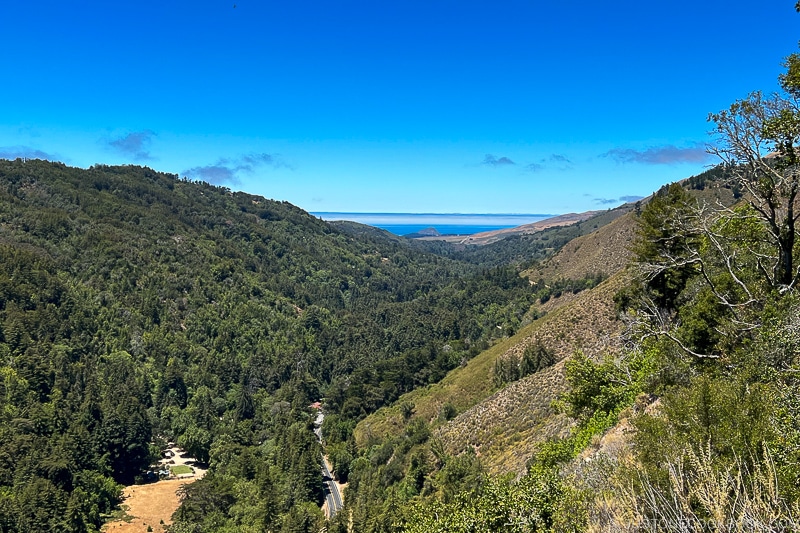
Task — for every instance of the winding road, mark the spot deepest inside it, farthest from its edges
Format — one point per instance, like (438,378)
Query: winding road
(332,495)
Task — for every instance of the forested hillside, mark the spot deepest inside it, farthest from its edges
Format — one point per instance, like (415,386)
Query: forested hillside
(136,308)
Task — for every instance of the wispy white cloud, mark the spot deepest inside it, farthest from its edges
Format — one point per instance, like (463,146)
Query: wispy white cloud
(494,161)
(13,152)
(606,201)
(135,145)
(557,161)
(631,198)
(621,200)
(226,170)
(660,155)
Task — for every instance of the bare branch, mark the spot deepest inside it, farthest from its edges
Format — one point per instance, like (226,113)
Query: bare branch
(650,322)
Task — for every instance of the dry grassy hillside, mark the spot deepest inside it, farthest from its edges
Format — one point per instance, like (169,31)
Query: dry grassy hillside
(488,237)
(506,428)
(462,388)
(603,251)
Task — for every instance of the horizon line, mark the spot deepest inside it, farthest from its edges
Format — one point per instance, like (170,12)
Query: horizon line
(431,213)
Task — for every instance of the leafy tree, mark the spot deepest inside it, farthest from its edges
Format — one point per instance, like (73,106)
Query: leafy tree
(306,518)
(758,138)
(531,505)
(205,498)
(535,357)
(666,245)
(197,442)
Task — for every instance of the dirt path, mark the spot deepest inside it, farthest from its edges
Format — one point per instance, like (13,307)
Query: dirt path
(150,505)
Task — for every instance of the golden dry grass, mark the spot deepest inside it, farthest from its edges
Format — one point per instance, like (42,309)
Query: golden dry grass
(604,251)
(462,388)
(701,495)
(150,505)
(506,428)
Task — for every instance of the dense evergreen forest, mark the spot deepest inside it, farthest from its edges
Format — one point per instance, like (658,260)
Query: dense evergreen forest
(138,308)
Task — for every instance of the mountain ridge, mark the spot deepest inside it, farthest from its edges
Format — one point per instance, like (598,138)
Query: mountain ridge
(488,237)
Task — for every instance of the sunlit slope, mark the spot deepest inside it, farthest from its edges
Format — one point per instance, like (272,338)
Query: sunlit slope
(493,421)
(505,426)
(604,251)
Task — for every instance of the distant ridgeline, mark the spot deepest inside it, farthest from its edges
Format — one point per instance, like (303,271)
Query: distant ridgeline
(137,308)
(415,225)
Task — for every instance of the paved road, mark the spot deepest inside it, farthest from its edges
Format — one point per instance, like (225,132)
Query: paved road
(332,495)
(335,503)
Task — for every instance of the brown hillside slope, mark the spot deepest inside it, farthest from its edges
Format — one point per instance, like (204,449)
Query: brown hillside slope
(488,237)
(604,251)
(506,428)
(462,388)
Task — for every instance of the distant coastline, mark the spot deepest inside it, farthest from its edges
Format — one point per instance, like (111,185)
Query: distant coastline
(445,223)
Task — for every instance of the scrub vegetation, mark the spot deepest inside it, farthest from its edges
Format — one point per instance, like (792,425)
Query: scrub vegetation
(513,387)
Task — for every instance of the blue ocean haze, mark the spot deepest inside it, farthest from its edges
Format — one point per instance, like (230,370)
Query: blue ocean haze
(445,223)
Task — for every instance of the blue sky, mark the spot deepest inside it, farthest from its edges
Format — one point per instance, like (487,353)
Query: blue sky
(405,106)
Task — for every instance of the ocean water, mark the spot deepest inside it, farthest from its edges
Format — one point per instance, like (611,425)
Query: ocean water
(445,223)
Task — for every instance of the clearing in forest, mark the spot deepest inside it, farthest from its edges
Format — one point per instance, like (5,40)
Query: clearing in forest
(149,505)
(152,504)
